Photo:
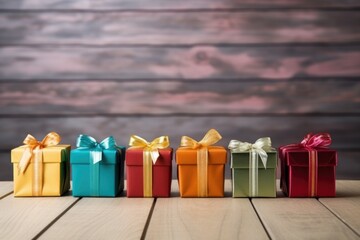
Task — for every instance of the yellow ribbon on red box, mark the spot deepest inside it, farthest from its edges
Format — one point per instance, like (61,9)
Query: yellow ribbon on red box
(150,155)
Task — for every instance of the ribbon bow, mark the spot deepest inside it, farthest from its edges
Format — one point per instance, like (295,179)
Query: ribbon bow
(259,147)
(310,142)
(88,142)
(31,143)
(153,146)
(150,153)
(316,140)
(210,138)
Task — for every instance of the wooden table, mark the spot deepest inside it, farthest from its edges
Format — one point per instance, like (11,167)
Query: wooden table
(181,218)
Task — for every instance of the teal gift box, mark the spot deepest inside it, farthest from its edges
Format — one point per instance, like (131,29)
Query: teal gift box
(97,168)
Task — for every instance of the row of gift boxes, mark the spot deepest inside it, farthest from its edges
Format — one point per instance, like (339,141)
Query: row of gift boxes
(305,171)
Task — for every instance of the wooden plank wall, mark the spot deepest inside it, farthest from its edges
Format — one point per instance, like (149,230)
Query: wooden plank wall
(248,68)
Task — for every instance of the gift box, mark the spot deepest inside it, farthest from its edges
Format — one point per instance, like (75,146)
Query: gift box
(253,168)
(201,167)
(308,169)
(148,167)
(97,168)
(41,168)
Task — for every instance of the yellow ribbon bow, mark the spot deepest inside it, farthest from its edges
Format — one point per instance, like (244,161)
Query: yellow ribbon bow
(150,155)
(210,138)
(31,143)
(33,148)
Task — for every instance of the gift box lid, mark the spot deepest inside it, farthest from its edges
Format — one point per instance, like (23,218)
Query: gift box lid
(217,155)
(48,153)
(241,160)
(109,156)
(134,157)
(300,157)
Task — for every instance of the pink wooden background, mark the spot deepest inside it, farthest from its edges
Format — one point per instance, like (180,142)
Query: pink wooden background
(249,68)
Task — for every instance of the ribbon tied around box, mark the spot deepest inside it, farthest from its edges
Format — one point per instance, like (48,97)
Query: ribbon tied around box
(150,156)
(210,138)
(96,156)
(255,150)
(311,143)
(33,151)
(88,142)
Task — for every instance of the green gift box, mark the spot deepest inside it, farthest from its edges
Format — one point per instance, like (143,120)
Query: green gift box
(253,168)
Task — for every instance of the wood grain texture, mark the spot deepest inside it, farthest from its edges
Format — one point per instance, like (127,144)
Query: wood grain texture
(282,130)
(215,218)
(191,64)
(198,62)
(6,172)
(300,218)
(346,205)
(348,165)
(24,218)
(99,28)
(164,97)
(102,218)
(5,187)
(166,4)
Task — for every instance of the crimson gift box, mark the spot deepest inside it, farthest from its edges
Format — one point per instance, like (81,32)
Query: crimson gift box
(161,173)
(295,172)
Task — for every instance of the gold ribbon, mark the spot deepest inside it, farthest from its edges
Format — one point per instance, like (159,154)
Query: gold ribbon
(150,156)
(210,138)
(313,162)
(33,148)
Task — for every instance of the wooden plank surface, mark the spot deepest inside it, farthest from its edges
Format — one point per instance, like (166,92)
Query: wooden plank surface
(24,218)
(173,218)
(175,97)
(6,172)
(281,129)
(99,28)
(102,218)
(348,165)
(165,4)
(208,218)
(300,218)
(5,187)
(197,62)
(347,203)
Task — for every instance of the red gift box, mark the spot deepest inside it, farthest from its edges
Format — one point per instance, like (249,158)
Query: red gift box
(161,173)
(308,168)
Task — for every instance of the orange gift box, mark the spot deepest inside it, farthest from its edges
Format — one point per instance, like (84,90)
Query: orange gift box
(187,166)
(186,160)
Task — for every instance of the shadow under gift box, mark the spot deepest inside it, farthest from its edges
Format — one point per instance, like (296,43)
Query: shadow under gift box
(186,160)
(266,177)
(102,179)
(295,172)
(161,173)
(56,172)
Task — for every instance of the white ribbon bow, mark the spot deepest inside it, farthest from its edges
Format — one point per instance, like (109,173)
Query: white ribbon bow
(259,147)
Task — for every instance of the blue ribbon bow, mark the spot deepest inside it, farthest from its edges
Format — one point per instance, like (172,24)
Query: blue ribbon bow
(88,142)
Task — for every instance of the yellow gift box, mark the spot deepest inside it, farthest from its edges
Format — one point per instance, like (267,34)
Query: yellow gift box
(45,170)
